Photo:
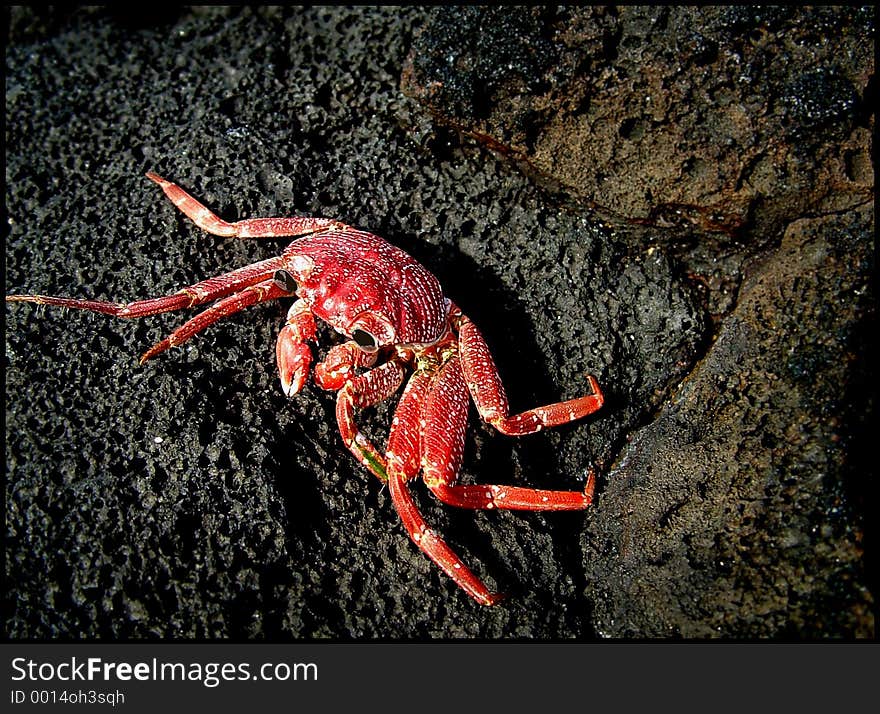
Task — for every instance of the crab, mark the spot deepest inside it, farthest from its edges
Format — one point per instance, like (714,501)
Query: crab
(395,318)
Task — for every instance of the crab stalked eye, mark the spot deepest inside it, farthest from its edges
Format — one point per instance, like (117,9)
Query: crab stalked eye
(285,281)
(365,340)
(371,330)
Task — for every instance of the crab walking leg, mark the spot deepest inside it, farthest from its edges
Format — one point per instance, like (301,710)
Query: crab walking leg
(360,392)
(404,449)
(513,498)
(106,308)
(446,421)
(251,295)
(405,459)
(208,221)
(434,546)
(196,294)
(484,384)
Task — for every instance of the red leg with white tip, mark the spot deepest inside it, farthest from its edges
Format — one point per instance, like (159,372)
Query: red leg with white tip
(208,221)
(484,384)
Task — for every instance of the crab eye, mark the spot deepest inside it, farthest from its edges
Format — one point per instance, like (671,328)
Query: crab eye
(285,281)
(365,340)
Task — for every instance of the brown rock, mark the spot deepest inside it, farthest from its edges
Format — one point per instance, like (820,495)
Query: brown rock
(721,117)
(738,511)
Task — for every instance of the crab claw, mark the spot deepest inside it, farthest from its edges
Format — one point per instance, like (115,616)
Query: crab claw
(339,364)
(294,359)
(336,367)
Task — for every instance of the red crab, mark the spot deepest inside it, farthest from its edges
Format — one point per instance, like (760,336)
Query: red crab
(394,314)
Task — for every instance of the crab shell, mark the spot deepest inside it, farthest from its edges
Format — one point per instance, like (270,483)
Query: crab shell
(379,297)
(356,281)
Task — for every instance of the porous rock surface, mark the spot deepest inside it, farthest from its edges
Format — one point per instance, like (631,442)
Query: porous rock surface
(188,498)
(743,137)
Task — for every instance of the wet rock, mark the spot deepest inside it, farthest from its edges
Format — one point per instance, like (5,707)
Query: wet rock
(741,511)
(725,117)
(189,498)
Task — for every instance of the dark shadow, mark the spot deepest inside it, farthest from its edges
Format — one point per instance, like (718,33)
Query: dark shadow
(501,316)
(858,428)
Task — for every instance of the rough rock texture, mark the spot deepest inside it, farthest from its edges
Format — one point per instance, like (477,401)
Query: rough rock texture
(744,137)
(723,116)
(189,498)
(730,513)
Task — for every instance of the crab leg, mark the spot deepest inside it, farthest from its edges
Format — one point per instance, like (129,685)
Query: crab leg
(446,417)
(405,457)
(196,294)
(360,392)
(249,285)
(338,366)
(484,384)
(212,288)
(514,498)
(251,295)
(435,547)
(208,221)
